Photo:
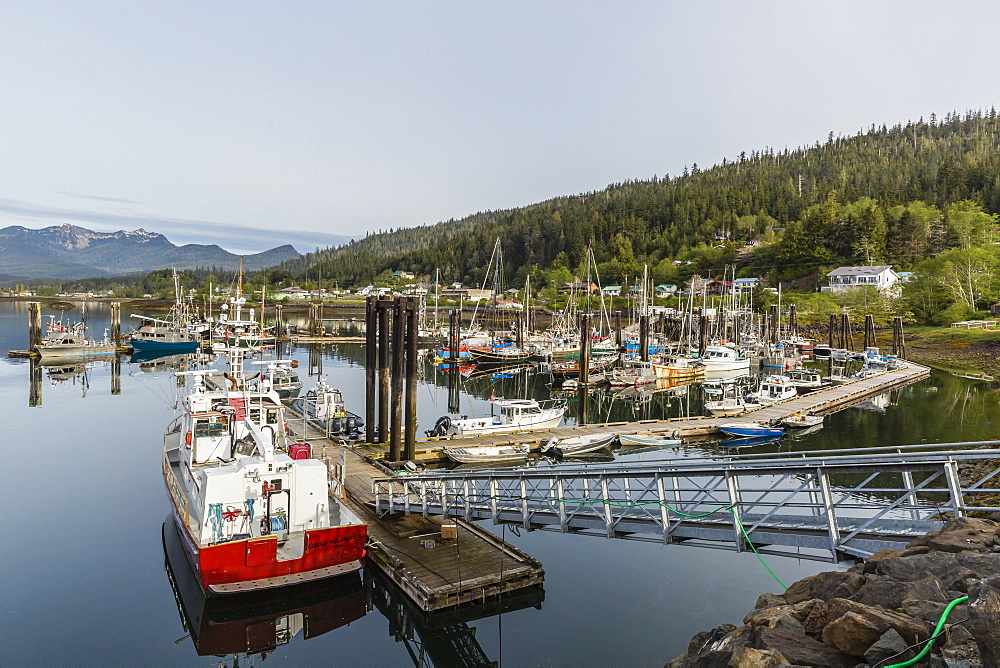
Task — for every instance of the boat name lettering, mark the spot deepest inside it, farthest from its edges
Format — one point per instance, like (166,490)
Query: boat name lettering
(333,542)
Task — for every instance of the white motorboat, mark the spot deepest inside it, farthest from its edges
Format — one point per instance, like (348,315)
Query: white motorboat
(805,380)
(802,421)
(62,341)
(324,407)
(729,406)
(514,415)
(649,440)
(489,454)
(578,445)
(634,373)
(773,389)
(254,510)
(871,367)
(722,358)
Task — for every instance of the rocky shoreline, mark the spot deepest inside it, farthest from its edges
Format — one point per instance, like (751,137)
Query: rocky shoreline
(875,610)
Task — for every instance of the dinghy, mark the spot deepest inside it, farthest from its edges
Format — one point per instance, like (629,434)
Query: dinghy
(802,421)
(488,454)
(578,445)
(648,440)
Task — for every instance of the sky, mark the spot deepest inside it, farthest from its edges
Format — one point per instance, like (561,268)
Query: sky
(253,124)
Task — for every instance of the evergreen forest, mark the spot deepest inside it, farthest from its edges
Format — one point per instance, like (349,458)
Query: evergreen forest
(888,195)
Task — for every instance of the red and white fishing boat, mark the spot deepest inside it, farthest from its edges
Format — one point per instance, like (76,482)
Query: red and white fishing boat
(254,510)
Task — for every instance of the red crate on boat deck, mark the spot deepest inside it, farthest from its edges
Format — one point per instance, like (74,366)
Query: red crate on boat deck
(300,451)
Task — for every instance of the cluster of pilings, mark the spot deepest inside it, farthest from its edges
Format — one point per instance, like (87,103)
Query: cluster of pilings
(391,358)
(840,335)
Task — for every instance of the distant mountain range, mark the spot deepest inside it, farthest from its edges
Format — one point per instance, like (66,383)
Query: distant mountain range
(67,251)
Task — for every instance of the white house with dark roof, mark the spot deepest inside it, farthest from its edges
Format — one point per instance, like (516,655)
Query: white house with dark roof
(881,277)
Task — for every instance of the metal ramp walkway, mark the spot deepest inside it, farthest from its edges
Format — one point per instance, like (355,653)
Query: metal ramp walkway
(833,503)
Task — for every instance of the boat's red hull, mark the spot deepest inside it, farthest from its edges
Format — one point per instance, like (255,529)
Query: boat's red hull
(243,565)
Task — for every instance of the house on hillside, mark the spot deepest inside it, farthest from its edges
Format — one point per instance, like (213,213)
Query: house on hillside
(743,285)
(880,277)
(716,287)
(665,290)
(470,294)
(612,290)
(404,275)
(578,286)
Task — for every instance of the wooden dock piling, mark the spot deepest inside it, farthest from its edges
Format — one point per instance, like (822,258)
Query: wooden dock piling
(34,324)
(371,365)
(898,345)
(383,306)
(869,331)
(644,338)
(413,315)
(584,375)
(702,334)
(396,380)
(116,323)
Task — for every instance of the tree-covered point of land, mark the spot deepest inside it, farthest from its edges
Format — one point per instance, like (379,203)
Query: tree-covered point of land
(888,194)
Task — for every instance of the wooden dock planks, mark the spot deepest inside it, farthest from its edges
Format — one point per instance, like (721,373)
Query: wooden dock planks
(475,566)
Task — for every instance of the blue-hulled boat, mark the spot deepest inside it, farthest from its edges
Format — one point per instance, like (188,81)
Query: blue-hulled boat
(750,440)
(174,335)
(750,429)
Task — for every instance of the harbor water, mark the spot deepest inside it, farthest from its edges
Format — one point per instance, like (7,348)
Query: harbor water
(83,564)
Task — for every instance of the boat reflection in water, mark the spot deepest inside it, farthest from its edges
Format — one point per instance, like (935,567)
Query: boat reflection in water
(444,637)
(151,361)
(254,624)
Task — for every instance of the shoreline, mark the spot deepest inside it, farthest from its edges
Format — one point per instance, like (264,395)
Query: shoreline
(873,612)
(946,349)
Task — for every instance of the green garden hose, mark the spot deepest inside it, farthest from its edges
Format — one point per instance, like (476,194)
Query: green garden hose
(930,641)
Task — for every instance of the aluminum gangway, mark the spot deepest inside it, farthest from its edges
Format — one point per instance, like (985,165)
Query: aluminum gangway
(823,505)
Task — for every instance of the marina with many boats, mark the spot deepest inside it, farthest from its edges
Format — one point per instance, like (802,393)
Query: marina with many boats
(273,467)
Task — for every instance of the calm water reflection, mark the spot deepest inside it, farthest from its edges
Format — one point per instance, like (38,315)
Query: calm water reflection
(83,559)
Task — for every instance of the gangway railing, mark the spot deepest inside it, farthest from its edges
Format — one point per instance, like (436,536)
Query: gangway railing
(831,503)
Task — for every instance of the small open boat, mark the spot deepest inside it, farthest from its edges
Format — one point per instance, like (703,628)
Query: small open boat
(802,421)
(647,440)
(750,429)
(488,454)
(578,445)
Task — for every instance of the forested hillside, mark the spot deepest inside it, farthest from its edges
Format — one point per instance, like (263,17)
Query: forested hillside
(881,195)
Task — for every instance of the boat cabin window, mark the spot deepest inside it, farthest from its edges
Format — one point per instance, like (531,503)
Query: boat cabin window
(211,425)
(271,416)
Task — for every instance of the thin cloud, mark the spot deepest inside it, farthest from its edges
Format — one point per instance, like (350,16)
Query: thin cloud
(97,197)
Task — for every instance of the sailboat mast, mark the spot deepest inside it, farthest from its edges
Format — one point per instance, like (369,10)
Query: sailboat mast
(437,297)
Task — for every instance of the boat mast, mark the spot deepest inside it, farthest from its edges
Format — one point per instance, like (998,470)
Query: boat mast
(437,297)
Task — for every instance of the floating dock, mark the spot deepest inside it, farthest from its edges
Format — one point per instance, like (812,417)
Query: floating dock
(822,402)
(436,572)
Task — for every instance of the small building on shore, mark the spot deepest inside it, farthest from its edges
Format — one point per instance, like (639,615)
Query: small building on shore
(880,277)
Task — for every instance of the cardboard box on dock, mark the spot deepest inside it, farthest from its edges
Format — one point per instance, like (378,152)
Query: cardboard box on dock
(449,531)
